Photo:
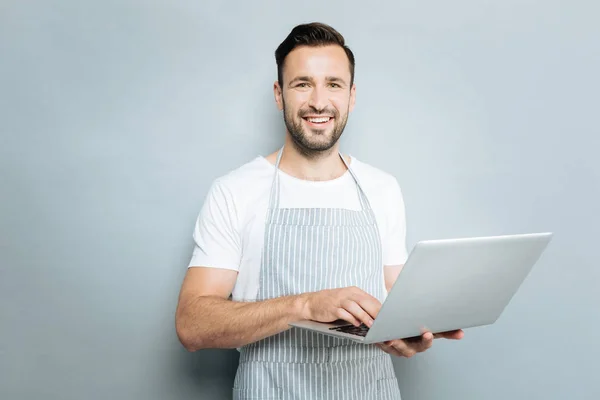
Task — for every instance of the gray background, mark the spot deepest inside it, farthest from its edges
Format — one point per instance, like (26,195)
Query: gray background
(115,117)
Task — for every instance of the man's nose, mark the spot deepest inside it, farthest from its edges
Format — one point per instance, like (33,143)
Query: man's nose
(318,99)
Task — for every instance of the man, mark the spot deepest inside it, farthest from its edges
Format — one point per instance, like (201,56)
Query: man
(305,233)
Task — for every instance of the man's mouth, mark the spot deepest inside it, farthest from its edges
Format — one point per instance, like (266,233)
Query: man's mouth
(318,120)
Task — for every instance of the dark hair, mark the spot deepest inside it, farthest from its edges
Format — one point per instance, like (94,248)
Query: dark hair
(313,34)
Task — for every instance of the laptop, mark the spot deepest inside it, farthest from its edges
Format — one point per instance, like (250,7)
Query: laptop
(446,285)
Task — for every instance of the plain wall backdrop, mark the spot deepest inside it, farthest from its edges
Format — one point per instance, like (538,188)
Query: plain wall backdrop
(115,117)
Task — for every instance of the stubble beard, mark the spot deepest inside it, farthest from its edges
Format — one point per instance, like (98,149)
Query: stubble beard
(302,140)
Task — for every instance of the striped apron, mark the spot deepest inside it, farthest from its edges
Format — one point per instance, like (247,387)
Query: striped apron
(307,250)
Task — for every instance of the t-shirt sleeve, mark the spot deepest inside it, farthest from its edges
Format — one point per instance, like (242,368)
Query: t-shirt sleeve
(394,245)
(216,234)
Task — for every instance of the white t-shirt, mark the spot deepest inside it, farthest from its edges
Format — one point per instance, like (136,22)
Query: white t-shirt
(229,231)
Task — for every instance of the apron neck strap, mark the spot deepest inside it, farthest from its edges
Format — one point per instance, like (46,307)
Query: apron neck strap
(275,192)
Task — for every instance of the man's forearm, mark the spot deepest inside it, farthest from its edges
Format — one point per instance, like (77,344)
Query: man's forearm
(213,322)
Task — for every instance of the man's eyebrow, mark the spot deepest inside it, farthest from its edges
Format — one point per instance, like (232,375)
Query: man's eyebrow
(302,78)
(334,79)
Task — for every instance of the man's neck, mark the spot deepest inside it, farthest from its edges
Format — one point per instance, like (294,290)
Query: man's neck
(321,166)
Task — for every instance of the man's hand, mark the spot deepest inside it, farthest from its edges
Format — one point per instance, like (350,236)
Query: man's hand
(350,304)
(409,347)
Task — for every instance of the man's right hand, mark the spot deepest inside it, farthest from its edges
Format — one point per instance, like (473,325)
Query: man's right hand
(350,304)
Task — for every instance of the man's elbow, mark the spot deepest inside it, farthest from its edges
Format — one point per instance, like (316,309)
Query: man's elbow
(188,342)
(190,339)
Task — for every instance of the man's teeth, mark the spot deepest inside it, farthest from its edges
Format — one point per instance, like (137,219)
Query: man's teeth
(319,120)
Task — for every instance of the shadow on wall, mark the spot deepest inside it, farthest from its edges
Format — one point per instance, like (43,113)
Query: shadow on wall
(209,374)
(204,374)
(211,364)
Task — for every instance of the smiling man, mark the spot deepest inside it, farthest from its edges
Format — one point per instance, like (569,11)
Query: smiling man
(315,105)
(304,233)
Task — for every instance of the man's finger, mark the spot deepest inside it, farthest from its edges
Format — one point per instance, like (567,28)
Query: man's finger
(418,344)
(403,348)
(368,303)
(453,335)
(370,307)
(360,314)
(388,349)
(427,341)
(346,316)
(422,343)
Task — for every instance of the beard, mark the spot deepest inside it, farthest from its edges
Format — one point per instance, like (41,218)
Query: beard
(313,141)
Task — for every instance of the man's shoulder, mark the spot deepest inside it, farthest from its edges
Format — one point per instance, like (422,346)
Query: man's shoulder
(382,189)
(373,176)
(249,176)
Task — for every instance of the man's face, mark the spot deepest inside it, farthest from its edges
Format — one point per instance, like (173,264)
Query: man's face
(316,96)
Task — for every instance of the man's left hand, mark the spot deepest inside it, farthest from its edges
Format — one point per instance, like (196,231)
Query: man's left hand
(409,347)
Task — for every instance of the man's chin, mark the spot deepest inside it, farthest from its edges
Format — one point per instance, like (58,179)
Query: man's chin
(311,140)
(317,145)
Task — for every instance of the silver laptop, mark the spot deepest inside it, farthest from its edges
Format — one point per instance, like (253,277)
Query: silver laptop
(446,285)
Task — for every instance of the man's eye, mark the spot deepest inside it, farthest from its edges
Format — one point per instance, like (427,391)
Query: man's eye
(302,85)
(334,85)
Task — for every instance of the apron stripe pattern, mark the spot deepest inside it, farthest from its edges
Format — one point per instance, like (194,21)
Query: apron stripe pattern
(307,250)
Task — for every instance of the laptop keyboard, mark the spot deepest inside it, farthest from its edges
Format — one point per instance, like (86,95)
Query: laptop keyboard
(351,329)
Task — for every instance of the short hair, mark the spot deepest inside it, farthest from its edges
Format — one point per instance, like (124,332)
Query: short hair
(312,34)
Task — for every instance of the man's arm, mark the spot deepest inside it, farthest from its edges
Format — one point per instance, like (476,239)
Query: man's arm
(391,273)
(205,318)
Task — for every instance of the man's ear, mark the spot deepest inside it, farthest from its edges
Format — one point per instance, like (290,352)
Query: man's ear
(352,97)
(277,92)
